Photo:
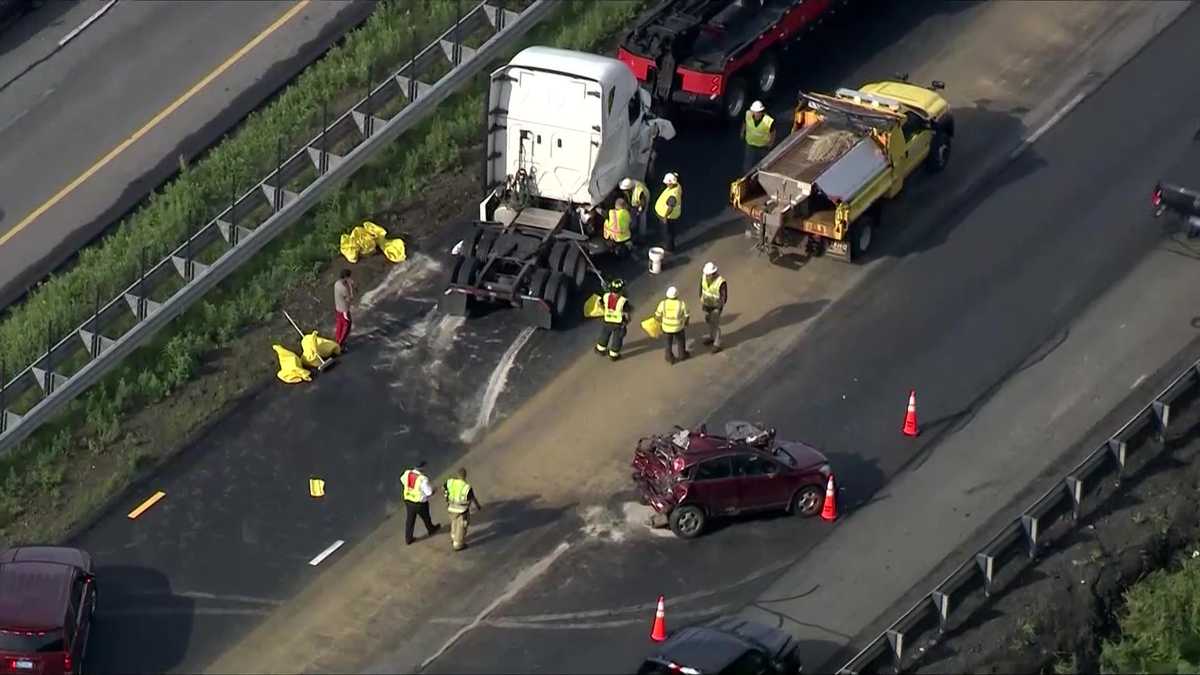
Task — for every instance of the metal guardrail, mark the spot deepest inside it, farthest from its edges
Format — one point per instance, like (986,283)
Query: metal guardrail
(1058,504)
(330,157)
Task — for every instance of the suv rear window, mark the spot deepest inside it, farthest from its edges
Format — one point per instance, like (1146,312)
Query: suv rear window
(31,643)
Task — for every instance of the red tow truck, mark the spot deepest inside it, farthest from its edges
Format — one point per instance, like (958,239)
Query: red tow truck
(715,55)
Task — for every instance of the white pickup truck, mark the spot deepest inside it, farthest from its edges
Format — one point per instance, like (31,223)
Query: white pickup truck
(563,129)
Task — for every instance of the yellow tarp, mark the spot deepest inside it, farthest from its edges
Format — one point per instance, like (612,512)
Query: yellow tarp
(314,345)
(652,327)
(364,239)
(592,307)
(290,368)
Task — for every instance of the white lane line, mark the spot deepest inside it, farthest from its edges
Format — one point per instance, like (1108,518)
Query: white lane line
(1138,381)
(496,384)
(526,577)
(326,553)
(1054,119)
(87,22)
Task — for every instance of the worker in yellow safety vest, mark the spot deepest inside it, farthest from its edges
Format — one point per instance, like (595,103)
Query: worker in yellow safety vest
(672,315)
(638,196)
(459,498)
(669,207)
(713,296)
(758,130)
(618,227)
(417,491)
(615,318)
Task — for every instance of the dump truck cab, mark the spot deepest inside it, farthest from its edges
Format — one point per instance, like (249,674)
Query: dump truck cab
(847,152)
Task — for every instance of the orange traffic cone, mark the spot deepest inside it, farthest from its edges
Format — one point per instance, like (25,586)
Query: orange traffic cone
(658,632)
(829,510)
(910,418)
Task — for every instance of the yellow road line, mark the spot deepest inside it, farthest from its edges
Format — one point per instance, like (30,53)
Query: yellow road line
(154,121)
(147,504)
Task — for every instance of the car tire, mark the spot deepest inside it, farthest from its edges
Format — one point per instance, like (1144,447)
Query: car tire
(464,275)
(807,501)
(558,251)
(537,281)
(939,153)
(733,103)
(556,294)
(574,266)
(687,522)
(767,75)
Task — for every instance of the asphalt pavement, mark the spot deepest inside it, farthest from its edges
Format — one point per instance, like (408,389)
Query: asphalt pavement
(231,544)
(90,127)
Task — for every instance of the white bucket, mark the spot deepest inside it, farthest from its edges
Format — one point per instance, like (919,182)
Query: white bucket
(656,258)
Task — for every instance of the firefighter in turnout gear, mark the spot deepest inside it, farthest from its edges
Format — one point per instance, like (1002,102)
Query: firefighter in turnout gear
(758,131)
(669,207)
(459,498)
(618,227)
(713,296)
(672,315)
(417,491)
(638,196)
(615,319)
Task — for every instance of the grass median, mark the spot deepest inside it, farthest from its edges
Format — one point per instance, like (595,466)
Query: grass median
(1160,625)
(64,473)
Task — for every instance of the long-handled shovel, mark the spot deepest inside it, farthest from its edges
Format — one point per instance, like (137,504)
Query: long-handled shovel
(324,364)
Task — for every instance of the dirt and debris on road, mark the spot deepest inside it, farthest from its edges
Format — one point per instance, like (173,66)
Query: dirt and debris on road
(1055,614)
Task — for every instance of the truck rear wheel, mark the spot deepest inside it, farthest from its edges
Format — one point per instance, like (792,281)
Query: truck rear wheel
(939,153)
(768,74)
(483,247)
(574,266)
(861,236)
(734,101)
(537,281)
(556,293)
(558,251)
(464,274)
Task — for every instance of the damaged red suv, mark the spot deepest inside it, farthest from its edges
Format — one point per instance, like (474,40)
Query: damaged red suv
(47,597)
(690,476)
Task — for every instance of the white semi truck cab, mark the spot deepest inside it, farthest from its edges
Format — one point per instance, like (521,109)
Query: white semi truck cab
(564,128)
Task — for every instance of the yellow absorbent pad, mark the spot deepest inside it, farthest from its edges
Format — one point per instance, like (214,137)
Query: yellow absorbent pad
(592,307)
(314,345)
(652,327)
(290,368)
(394,250)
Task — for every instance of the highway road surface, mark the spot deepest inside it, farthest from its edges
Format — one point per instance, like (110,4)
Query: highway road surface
(90,127)
(1009,271)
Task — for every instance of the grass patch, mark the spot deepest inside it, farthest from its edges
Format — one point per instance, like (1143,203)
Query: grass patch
(1160,625)
(71,467)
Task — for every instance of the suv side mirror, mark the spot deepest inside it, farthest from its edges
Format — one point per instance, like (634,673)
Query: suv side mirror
(938,85)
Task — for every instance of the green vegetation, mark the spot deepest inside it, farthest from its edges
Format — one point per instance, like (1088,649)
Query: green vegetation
(32,478)
(1160,625)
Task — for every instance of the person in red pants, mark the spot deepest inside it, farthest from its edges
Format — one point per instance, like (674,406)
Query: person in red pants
(343,296)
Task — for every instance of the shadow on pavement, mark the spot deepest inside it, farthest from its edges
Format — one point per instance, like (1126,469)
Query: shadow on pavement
(511,517)
(141,625)
(778,317)
(858,480)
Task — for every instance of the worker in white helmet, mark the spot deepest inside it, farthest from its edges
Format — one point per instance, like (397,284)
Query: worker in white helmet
(713,296)
(758,131)
(672,315)
(669,207)
(638,197)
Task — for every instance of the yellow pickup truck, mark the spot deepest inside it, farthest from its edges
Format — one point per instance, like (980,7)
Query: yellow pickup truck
(821,189)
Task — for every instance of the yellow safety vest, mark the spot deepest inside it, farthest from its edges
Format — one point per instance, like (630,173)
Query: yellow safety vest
(457,490)
(672,314)
(638,195)
(614,308)
(758,135)
(616,227)
(410,480)
(710,294)
(660,207)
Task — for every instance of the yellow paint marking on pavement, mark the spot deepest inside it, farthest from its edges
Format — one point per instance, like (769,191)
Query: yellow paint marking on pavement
(147,504)
(154,121)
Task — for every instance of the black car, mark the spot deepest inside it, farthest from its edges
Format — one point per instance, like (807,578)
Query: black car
(727,646)
(1180,201)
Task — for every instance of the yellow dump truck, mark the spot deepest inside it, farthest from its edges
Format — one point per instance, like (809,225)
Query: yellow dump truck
(821,189)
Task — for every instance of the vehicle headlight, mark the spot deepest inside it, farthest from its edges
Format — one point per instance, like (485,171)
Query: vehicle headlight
(825,469)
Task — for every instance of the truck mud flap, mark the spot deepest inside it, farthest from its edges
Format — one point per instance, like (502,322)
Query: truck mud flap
(454,304)
(537,313)
(838,250)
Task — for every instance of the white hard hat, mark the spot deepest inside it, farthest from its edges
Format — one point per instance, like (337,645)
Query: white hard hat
(672,293)
(670,179)
(757,106)
(626,184)
(710,268)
